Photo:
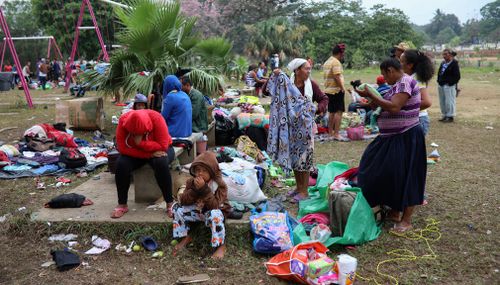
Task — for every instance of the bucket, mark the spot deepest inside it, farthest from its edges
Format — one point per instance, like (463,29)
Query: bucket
(201,146)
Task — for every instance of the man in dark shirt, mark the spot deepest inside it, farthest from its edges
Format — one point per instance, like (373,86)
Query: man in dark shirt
(448,77)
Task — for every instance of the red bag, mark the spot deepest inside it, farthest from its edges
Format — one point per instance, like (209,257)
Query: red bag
(291,265)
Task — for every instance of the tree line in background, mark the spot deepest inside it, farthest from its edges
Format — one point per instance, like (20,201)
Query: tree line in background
(259,28)
(304,28)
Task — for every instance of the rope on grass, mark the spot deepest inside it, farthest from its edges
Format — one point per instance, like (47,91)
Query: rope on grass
(430,233)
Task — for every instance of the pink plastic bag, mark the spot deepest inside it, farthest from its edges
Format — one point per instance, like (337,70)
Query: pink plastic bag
(356,133)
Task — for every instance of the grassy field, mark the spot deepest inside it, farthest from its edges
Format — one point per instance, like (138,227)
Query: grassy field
(462,189)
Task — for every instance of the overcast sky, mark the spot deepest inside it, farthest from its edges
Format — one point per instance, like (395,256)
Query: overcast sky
(422,11)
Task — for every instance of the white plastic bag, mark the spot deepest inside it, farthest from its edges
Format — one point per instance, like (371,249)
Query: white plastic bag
(321,233)
(243,187)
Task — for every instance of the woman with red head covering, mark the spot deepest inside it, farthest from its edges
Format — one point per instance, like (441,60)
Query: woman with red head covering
(142,137)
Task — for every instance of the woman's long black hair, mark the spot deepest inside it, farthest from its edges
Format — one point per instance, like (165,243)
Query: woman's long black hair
(422,64)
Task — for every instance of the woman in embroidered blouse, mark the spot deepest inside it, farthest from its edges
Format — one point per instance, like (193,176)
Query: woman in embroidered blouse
(393,168)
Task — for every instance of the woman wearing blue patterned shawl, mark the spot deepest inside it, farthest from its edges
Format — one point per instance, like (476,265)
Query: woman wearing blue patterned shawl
(291,141)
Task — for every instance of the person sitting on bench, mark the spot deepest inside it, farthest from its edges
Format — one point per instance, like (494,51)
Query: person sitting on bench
(142,137)
(199,108)
(203,200)
(176,108)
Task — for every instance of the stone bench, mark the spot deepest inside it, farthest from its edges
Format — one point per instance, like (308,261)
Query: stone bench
(145,186)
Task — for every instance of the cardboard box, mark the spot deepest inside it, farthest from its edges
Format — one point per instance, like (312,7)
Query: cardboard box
(82,113)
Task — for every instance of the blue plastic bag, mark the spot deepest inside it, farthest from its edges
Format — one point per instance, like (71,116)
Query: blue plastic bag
(272,232)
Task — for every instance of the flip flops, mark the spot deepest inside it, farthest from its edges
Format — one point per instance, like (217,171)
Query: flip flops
(149,243)
(297,198)
(118,212)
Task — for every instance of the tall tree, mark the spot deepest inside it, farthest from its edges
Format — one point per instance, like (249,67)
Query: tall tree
(471,31)
(333,22)
(384,28)
(235,14)
(445,36)
(275,35)
(490,24)
(441,21)
(370,33)
(208,14)
(59,17)
(160,40)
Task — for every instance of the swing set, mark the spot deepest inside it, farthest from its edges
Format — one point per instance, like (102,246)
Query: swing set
(12,48)
(9,41)
(51,44)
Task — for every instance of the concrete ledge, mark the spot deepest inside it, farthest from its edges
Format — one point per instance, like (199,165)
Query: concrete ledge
(103,193)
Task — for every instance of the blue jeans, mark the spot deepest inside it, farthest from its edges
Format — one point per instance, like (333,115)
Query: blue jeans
(424,123)
(447,100)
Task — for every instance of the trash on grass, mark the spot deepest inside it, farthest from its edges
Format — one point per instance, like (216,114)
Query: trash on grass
(48,263)
(433,144)
(63,180)
(63,237)
(129,248)
(434,153)
(159,206)
(120,247)
(157,254)
(82,174)
(4,218)
(193,279)
(100,245)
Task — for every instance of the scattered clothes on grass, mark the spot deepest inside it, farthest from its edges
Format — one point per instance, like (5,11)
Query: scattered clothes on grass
(65,260)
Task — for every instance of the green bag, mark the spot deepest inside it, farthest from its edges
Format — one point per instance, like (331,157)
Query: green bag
(361,226)
(318,194)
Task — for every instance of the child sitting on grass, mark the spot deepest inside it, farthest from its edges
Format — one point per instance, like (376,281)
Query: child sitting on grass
(203,200)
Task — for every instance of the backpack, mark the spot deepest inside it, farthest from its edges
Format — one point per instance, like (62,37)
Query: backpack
(72,158)
(224,130)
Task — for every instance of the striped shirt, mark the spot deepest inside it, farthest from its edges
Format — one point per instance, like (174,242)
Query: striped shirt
(331,68)
(397,123)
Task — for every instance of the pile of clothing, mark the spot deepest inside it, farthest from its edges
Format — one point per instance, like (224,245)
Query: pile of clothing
(47,150)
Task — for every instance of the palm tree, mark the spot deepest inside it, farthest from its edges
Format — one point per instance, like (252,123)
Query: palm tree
(158,40)
(275,35)
(239,67)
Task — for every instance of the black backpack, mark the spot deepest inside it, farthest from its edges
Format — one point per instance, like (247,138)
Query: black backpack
(72,158)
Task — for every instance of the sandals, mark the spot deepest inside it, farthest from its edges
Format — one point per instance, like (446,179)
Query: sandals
(297,198)
(118,212)
(170,211)
(401,229)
